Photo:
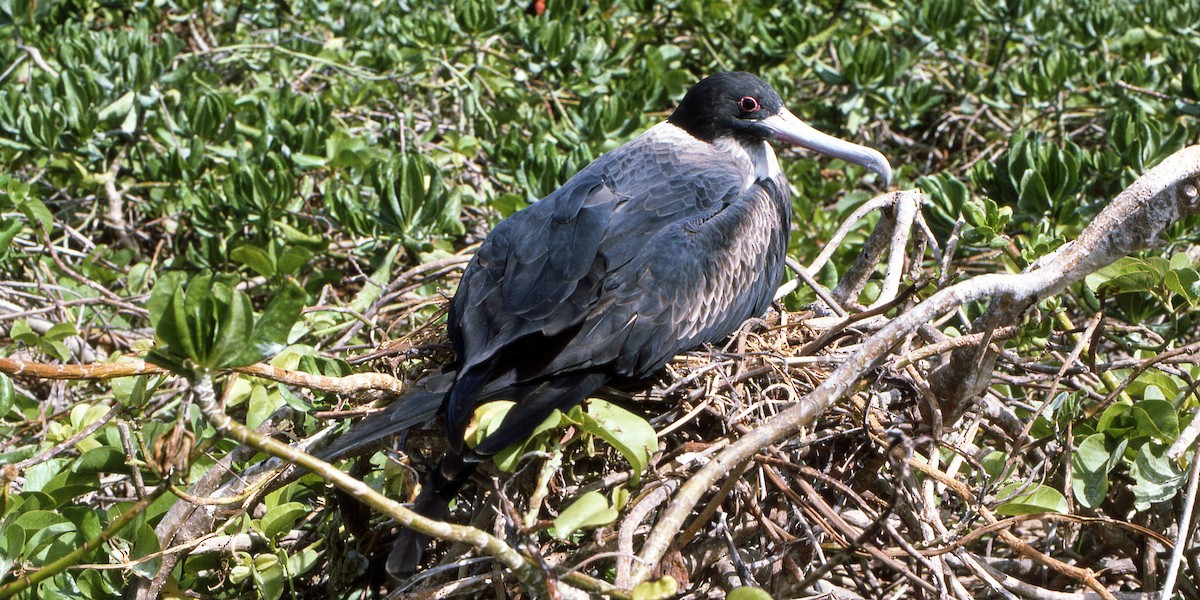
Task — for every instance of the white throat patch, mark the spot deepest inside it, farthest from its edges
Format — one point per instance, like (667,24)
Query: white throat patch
(759,155)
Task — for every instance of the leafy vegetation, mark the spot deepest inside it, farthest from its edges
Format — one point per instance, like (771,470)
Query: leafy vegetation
(208,186)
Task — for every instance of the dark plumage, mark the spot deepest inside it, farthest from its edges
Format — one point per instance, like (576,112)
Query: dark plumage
(664,244)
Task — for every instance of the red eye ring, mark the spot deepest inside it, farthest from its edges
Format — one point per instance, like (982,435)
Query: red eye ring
(749,104)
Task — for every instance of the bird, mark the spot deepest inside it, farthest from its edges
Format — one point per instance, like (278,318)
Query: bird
(657,247)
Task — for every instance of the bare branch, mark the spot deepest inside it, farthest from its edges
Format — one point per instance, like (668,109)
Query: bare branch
(1133,221)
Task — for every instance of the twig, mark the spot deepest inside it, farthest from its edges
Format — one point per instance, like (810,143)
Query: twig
(1186,437)
(114,216)
(960,489)
(636,514)
(802,274)
(906,207)
(346,384)
(1185,525)
(70,442)
(875,203)
(1027,590)
(69,559)
(226,426)
(36,55)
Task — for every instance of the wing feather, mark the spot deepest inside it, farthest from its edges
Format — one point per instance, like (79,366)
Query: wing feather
(652,250)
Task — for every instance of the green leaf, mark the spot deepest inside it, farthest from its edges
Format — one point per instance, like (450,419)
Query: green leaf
(657,589)
(343,150)
(507,204)
(293,259)
(59,331)
(118,109)
(308,161)
(132,391)
(1094,457)
(268,576)
(1157,478)
(1127,274)
(1034,197)
(974,214)
(162,295)
(1155,385)
(262,404)
(56,349)
(9,228)
(45,530)
(38,476)
(103,459)
(373,289)
(1157,419)
(281,519)
(200,300)
(86,520)
(748,593)
(630,434)
(234,333)
(1117,420)
(37,213)
(1180,260)
(6,399)
(588,511)
(487,419)
(254,257)
(12,540)
(1035,499)
(145,543)
(22,332)
(172,328)
(271,329)
(1185,282)
(303,561)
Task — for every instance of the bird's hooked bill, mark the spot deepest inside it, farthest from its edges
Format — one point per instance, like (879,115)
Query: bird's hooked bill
(787,127)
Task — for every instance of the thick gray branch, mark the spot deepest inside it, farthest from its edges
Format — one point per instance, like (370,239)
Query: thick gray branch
(1135,220)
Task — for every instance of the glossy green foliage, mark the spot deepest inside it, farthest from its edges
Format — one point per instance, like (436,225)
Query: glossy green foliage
(629,434)
(206,323)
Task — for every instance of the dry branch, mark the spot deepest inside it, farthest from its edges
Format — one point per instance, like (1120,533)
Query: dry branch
(1134,220)
(355,383)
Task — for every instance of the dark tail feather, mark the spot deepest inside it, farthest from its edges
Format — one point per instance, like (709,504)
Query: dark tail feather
(446,478)
(454,469)
(417,406)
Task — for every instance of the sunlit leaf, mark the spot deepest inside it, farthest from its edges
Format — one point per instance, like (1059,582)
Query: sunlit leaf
(630,434)
(748,593)
(1036,498)
(589,510)
(656,589)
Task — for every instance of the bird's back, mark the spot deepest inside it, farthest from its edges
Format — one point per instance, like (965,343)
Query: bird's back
(655,248)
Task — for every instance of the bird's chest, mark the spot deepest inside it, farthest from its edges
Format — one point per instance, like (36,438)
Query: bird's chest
(747,237)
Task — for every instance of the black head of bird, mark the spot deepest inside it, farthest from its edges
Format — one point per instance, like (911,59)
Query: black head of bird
(667,243)
(742,107)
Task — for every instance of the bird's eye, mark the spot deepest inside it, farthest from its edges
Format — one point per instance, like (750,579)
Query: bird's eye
(748,104)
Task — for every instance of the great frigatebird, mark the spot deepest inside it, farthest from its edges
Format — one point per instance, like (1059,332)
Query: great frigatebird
(664,244)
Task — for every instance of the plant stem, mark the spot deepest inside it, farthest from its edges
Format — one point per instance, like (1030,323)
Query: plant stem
(71,558)
(202,387)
